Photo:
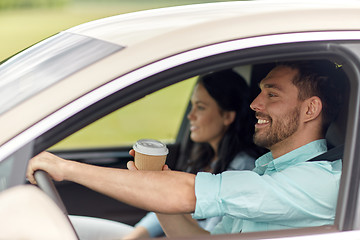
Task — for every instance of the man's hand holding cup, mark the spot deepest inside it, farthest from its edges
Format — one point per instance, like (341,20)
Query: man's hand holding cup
(149,155)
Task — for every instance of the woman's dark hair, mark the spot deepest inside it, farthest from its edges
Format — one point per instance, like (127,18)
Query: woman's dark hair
(231,93)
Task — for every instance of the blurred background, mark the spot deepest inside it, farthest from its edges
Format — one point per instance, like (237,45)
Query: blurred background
(25,22)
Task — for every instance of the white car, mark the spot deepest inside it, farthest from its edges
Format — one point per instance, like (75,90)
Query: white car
(56,88)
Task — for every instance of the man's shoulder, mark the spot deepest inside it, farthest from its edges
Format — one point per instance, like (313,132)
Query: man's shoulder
(330,167)
(331,155)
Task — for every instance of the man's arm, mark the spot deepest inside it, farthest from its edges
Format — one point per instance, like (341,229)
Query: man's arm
(162,191)
(180,225)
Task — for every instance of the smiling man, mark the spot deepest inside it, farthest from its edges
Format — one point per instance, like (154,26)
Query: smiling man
(279,108)
(297,102)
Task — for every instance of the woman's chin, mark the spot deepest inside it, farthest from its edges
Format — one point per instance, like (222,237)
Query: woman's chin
(194,137)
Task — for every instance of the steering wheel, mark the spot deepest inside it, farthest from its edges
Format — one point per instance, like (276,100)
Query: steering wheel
(46,184)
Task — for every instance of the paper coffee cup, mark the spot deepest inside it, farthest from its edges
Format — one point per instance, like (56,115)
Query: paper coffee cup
(150,154)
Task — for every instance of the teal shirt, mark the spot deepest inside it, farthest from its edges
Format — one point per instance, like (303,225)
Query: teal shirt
(281,193)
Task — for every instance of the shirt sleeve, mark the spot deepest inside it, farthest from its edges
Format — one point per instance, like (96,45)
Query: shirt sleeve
(152,225)
(225,226)
(278,197)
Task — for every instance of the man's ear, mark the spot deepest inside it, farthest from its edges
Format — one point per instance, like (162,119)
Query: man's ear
(312,108)
(229,117)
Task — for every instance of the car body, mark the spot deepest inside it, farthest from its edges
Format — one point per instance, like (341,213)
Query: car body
(62,84)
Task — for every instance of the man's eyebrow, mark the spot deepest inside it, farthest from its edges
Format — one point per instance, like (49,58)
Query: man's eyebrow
(269,85)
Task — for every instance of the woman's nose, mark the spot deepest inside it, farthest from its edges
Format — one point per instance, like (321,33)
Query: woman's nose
(190,114)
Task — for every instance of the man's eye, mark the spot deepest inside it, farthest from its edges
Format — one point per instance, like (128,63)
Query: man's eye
(271,95)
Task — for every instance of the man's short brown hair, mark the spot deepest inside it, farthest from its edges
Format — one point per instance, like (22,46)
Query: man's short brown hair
(324,79)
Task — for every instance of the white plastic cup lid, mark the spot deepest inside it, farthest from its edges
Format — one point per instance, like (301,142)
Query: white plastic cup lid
(150,147)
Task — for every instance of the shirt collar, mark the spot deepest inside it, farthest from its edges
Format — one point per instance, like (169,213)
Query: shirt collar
(267,163)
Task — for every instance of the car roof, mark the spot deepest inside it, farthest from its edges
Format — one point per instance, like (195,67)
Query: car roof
(152,35)
(202,24)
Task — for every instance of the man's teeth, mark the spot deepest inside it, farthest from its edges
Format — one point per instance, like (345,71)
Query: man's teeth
(262,121)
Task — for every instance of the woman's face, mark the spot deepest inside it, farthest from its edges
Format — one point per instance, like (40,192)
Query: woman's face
(208,123)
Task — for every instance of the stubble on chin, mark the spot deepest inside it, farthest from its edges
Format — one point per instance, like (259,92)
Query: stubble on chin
(277,131)
(261,140)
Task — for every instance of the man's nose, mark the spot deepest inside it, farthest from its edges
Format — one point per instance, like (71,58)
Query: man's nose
(257,104)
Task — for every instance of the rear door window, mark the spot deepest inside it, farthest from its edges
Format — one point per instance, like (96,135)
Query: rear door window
(158,116)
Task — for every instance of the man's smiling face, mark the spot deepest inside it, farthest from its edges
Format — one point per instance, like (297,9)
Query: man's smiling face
(277,108)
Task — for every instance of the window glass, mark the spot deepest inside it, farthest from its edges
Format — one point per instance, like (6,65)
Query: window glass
(157,116)
(6,168)
(36,68)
